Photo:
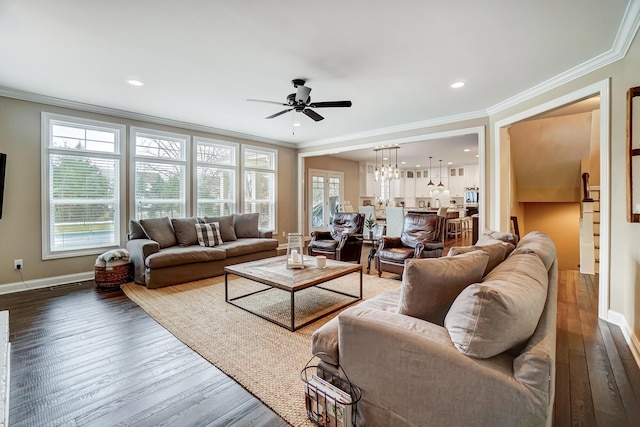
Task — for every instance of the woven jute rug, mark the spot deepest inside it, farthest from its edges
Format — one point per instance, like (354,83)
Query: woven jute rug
(263,357)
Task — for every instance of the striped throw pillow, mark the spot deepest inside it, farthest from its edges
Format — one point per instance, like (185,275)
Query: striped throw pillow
(208,234)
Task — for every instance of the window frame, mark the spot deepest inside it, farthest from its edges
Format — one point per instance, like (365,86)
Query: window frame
(186,161)
(273,170)
(235,167)
(47,120)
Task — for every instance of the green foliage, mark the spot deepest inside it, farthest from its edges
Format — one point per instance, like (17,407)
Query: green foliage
(370,222)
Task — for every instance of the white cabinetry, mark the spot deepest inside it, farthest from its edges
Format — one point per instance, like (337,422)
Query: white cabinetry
(422,179)
(457,175)
(399,185)
(472,176)
(368,180)
(410,184)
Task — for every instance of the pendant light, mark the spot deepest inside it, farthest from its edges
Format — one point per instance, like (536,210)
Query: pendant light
(396,173)
(430,185)
(377,171)
(441,185)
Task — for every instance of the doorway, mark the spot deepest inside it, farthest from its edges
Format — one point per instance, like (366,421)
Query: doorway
(326,189)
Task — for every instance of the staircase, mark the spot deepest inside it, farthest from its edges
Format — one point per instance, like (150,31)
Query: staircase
(590,228)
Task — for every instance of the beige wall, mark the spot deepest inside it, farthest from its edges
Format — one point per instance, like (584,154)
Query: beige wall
(351,172)
(20,226)
(561,222)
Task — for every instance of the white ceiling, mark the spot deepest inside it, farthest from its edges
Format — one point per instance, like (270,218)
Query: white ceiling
(200,60)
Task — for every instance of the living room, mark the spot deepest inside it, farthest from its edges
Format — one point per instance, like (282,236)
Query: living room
(610,72)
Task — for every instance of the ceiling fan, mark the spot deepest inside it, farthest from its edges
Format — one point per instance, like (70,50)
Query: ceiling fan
(301,102)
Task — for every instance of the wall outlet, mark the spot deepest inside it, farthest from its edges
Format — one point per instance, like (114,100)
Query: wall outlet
(18,264)
(283,234)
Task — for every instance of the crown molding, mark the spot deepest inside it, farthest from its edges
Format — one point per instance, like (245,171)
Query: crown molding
(395,129)
(621,44)
(91,108)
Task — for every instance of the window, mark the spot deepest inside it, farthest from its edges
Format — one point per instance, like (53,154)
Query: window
(216,177)
(160,162)
(82,185)
(259,184)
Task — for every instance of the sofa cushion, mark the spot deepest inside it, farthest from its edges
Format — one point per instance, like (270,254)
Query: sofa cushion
(540,244)
(227,232)
(248,246)
(136,231)
(177,255)
(497,253)
(488,236)
(246,225)
(502,312)
(430,285)
(160,230)
(185,230)
(208,234)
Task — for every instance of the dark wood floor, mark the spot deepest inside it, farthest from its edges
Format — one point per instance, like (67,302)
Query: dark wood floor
(87,357)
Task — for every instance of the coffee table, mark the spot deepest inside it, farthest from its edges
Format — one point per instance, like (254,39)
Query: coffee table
(273,273)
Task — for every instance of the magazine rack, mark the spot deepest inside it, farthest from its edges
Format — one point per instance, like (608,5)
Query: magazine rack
(331,400)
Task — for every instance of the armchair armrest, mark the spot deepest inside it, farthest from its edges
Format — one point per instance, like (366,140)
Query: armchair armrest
(320,235)
(264,234)
(412,366)
(389,242)
(139,250)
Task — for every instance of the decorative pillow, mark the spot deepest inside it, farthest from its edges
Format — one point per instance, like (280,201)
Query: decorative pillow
(502,312)
(136,231)
(488,235)
(185,230)
(226,226)
(246,225)
(160,230)
(430,285)
(497,253)
(208,234)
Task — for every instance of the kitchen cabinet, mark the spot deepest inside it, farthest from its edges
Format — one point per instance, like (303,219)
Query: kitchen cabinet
(410,184)
(422,179)
(368,183)
(457,176)
(399,185)
(472,176)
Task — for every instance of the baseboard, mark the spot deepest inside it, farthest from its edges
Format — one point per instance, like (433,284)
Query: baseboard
(632,341)
(9,288)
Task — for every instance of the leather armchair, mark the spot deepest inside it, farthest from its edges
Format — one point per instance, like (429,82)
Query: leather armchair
(343,242)
(422,237)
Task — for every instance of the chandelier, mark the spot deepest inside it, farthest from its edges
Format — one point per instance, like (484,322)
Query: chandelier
(387,171)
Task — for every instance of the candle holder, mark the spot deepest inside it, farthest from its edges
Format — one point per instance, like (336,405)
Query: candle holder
(295,247)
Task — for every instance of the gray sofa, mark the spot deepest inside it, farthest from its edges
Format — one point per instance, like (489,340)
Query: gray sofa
(169,251)
(484,357)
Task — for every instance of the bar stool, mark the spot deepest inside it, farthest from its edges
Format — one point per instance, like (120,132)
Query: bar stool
(454,227)
(466,224)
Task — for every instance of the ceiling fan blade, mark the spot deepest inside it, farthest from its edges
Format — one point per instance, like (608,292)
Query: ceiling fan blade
(268,102)
(330,104)
(277,114)
(302,94)
(315,116)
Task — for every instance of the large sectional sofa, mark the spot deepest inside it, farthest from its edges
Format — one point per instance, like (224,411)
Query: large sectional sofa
(169,251)
(468,339)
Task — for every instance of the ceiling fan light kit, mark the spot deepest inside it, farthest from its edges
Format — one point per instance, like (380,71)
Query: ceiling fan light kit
(301,102)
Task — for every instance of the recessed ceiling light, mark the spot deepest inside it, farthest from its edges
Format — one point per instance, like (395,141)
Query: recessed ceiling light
(477,155)
(403,163)
(135,82)
(450,163)
(457,85)
(385,158)
(467,149)
(417,166)
(297,124)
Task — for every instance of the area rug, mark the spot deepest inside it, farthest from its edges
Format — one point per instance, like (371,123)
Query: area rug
(263,357)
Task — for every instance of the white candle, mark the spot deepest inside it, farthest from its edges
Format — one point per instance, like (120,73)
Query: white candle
(294,256)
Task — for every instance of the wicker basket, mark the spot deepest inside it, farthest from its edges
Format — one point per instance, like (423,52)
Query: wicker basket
(112,275)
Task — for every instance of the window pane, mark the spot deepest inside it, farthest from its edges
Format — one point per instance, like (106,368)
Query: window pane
(259,159)
(83,201)
(216,191)
(216,154)
(259,196)
(75,138)
(164,148)
(160,190)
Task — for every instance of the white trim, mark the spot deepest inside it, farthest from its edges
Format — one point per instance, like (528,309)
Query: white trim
(130,115)
(274,170)
(234,167)
(9,288)
(600,88)
(632,341)
(399,128)
(478,130)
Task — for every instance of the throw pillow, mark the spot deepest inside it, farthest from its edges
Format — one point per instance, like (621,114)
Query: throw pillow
(497,253)
(246,225)
(502,312)
(208,234)
(160,230)
(185,231)
(488,235)
(226,226)
(136,231)
(430,285)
